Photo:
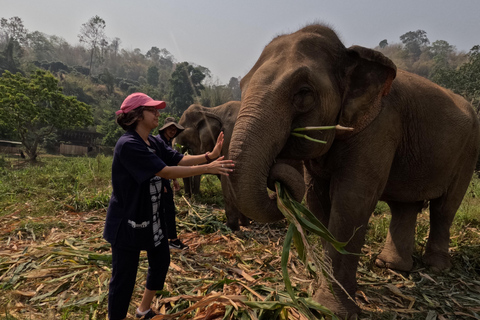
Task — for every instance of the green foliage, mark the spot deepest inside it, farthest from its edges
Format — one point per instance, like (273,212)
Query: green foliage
(14,29)
(469,212)
(15,36)
(35,106)
(153,76)
(414,41)
(185,85)
(210,191)
(234,85)
(107,126)
(40,46)
(109,80)
(213,96)
(300,221)
(441,50)
(57,183)
(383,43)
(464,80)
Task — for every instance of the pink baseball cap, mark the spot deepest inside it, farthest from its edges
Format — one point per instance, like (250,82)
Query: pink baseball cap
(139,99)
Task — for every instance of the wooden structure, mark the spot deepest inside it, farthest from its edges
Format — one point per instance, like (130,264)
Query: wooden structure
(10,147)
(78,142)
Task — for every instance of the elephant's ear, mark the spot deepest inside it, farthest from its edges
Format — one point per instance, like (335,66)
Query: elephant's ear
(369,78)
(209,127)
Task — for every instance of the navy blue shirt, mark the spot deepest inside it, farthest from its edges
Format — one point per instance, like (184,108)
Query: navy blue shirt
(134,216)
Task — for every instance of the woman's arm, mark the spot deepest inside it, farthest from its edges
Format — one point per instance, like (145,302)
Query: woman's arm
(191,160)
(218,166)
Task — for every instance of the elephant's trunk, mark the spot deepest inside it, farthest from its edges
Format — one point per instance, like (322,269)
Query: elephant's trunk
(255,144)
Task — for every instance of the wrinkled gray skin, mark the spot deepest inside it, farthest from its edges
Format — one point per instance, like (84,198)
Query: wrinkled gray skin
(202,127)
(413,141)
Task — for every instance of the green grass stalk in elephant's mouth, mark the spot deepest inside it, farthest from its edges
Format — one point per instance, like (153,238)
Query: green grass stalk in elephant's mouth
(337,127)
(300,221)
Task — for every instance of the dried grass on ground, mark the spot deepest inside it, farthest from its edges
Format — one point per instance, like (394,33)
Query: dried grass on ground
(59,268)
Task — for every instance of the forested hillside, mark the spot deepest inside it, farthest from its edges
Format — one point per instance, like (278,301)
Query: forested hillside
(100,72)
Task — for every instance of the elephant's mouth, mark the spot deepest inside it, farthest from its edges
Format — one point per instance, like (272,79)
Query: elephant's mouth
(290,174)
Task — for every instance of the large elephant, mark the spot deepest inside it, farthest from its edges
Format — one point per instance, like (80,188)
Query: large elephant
(202,127)
(412,141)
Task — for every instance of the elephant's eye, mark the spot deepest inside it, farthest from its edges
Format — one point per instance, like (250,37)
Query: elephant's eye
(304,100)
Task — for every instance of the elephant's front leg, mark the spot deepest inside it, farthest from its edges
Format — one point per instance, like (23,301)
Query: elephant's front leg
(359,173)
(351,208)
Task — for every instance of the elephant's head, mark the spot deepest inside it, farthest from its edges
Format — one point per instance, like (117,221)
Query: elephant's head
(201,129)
(307,78)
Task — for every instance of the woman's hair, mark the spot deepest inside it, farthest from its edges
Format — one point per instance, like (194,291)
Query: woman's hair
(128,121)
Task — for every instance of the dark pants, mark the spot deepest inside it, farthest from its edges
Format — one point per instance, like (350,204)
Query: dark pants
(124,274)
(169,213)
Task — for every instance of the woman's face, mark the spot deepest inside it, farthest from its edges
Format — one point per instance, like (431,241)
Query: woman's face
(150,117)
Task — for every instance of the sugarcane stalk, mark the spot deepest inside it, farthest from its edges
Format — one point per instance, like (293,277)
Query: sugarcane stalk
(307,137)
(337,127)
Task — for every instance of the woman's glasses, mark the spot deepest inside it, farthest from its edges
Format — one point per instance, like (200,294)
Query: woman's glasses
(151,109)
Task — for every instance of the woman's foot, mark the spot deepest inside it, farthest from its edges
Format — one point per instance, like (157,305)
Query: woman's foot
(177,244)
(149,314)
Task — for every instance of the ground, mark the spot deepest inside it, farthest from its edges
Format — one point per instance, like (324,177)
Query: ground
(59,268)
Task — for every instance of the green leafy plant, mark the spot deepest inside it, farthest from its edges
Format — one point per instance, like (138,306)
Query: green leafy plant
(302,220)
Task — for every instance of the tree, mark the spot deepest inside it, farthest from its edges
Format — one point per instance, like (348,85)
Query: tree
(109,80)
(34,107)
(153,54)
(153,76)
(414,41)
(40,46)
(15,36)
(92,33)
(13,29)
(185,84)
(463,80)
(383,43)
(234,85)
(441,50)
(115,46)
(214,95)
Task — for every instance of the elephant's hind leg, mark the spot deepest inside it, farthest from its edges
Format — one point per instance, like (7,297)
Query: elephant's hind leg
(398,249)
(442,212)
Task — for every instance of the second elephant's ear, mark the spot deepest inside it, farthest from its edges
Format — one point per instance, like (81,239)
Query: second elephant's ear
(369,78)
(209,127)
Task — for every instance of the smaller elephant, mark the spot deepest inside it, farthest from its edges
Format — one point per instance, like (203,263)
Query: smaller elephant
(202,127)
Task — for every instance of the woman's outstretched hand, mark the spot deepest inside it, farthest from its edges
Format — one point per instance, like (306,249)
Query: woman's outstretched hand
(221,166)
(217,150)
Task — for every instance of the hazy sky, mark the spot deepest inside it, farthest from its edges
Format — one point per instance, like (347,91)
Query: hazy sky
(228,36)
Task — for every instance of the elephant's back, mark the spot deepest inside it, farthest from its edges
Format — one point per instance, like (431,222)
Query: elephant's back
(419,93)
(439,136)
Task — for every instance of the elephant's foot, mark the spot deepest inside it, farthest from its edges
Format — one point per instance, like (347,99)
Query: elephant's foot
(244,221)
(233,224)
(391,260)
(438,261)
(340,304)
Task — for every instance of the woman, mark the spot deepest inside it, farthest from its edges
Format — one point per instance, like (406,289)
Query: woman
(134,221)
